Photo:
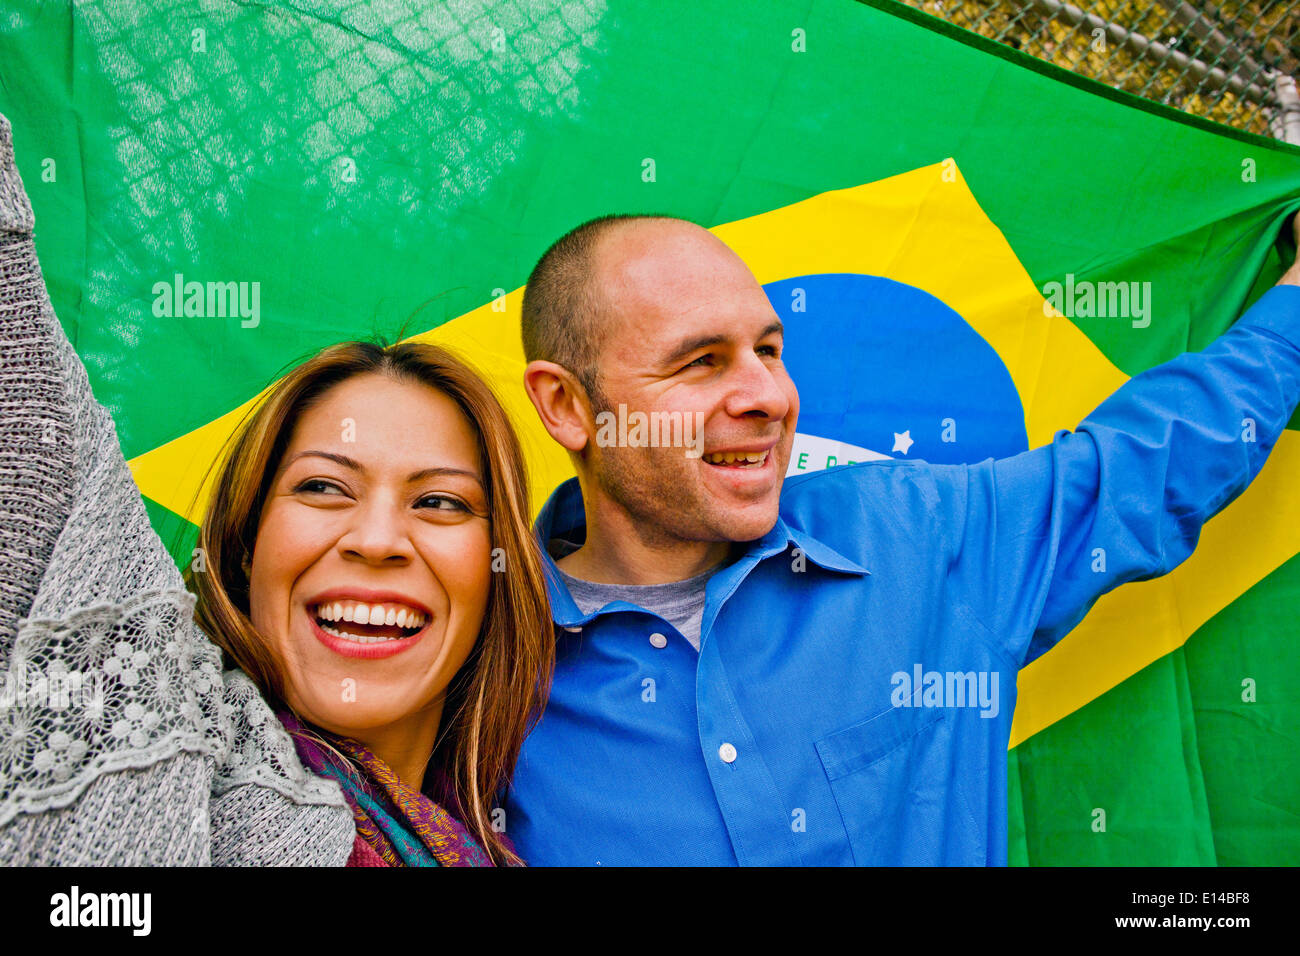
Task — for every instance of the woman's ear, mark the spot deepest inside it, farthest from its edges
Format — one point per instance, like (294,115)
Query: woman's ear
(561,403)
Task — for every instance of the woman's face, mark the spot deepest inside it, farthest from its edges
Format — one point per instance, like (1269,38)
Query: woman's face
(371,568)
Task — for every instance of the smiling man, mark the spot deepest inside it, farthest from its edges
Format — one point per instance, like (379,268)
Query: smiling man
(821,670)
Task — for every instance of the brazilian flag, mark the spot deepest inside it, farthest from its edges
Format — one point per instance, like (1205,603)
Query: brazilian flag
(970,250)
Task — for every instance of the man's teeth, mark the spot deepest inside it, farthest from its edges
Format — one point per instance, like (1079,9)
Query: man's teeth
(373,614)
(752,459)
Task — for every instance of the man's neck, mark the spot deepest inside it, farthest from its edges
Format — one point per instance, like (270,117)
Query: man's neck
(587,564)
(617,551)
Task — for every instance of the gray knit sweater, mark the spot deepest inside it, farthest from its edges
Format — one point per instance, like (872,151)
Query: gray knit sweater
(121,741)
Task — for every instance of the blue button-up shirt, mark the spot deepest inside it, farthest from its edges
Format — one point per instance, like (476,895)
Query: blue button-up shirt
(851,701)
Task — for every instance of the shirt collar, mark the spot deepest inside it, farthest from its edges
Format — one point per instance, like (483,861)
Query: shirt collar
(563,516)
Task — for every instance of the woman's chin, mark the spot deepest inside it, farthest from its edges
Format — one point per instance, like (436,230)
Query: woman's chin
(350,705)
(351,719)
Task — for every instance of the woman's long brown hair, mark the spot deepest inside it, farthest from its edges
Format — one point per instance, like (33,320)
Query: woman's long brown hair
(500,691)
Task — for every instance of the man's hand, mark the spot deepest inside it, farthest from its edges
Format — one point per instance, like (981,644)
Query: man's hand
(1292,275)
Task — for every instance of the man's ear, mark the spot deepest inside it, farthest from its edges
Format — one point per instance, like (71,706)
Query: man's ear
(561,403)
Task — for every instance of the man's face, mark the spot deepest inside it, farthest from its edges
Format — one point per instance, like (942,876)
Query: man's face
(688,330)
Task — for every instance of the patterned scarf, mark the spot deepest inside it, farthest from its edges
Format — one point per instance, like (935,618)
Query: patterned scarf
(401,825)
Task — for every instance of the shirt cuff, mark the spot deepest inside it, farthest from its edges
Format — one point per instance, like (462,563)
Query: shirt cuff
(1277,311)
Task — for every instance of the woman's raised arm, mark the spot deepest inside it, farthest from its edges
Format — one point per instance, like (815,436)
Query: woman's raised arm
(121,741)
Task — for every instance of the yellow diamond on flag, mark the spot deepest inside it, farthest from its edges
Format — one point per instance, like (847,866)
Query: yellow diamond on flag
(925,229)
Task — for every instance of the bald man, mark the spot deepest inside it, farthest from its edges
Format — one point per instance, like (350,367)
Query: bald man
(819,670)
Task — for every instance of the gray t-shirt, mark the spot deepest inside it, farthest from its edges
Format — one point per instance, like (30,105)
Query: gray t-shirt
(680,603)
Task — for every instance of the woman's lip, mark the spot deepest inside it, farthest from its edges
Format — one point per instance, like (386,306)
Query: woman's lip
(374,651)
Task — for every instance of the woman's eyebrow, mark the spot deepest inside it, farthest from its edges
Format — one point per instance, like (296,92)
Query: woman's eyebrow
(343,460)
(443,473)
(354,465)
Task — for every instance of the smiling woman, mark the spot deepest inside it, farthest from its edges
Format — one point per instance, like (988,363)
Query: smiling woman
(370,576)
(350,546)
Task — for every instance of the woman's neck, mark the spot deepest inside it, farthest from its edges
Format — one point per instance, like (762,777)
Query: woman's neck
(406,745)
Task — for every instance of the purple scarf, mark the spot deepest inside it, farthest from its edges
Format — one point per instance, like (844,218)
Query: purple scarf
(396,825)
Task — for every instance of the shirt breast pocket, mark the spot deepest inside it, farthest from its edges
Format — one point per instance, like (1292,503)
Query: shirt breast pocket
(892,788)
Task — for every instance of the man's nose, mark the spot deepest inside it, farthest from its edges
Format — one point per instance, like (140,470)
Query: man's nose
(756,389)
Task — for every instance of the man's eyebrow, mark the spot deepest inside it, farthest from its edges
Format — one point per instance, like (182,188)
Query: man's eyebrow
(354,465)
(688,346)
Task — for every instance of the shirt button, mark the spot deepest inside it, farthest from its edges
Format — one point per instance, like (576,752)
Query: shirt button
(727,753)
(658,640)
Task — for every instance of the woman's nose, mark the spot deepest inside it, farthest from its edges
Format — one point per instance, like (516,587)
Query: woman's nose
(378,534)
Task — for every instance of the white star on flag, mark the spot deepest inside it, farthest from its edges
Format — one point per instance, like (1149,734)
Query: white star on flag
(902,442)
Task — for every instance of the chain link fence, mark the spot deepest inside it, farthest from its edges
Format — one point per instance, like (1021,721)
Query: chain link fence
(1230,62)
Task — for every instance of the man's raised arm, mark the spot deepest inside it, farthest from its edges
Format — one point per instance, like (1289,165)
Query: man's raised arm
(1137,479)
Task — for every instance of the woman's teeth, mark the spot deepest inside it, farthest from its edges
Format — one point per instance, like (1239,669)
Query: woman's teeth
(370,615)
(359,638)
(753,459)
(375,614)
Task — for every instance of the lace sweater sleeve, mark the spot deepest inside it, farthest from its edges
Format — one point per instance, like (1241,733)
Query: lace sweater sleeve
(121,741)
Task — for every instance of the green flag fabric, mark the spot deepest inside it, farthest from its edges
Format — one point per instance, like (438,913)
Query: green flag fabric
(223,188)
